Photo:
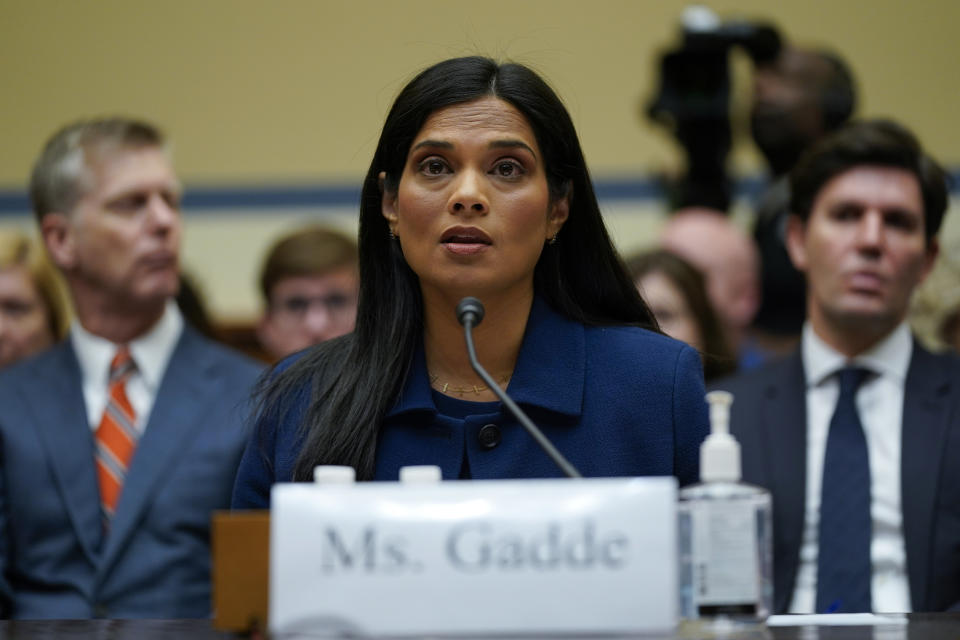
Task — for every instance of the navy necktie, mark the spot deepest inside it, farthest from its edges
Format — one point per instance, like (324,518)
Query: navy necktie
(843,560)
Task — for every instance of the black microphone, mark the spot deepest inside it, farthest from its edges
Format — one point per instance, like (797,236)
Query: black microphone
(470,314)
(470,310)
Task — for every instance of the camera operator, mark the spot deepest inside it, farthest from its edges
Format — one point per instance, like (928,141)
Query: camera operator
(693,100)
(798,98)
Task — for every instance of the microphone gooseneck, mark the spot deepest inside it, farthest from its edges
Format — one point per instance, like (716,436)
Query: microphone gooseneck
(470,314)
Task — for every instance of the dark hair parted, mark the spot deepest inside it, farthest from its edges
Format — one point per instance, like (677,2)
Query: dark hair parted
(882,143)
(354,380)
(718,358)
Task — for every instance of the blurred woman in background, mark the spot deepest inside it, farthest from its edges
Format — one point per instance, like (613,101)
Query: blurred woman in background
(676,293)
(33,308)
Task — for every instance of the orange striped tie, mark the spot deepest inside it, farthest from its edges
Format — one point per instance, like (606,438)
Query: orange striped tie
(117,435)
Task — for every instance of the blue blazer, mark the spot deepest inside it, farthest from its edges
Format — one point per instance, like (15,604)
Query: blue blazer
(769,418)
(55,561)
(616,401)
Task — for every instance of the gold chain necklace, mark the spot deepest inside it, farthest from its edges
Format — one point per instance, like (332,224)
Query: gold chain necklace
(460,389)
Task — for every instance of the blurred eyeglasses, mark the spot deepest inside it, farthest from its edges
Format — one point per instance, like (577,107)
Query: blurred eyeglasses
(334,304)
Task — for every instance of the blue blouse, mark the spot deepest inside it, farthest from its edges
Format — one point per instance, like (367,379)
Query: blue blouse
(616,401)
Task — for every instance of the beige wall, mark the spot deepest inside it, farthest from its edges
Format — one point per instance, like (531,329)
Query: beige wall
(295,91)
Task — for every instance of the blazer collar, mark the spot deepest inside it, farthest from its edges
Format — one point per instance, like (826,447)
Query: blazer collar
(783,422)
(549,374)
(926,421)
(61,420)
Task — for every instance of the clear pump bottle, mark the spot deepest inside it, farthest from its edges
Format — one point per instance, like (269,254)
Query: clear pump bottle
(726,535)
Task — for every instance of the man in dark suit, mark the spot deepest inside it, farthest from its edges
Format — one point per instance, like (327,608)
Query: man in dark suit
(857,434)
(115,445)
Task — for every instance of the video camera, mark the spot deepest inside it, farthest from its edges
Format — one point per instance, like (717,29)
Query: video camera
(694,97)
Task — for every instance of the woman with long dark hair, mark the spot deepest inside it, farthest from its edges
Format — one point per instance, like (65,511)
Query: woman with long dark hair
(478,187)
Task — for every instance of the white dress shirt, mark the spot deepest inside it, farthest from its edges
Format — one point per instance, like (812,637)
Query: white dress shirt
(880,405)
(150,352)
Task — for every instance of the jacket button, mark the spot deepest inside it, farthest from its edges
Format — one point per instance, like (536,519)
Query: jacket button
(489,436)
(100,610)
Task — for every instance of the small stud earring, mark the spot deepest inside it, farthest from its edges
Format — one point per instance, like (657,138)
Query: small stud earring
(552,240)
(390,233)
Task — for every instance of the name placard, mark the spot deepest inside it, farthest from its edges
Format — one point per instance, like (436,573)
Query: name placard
(509,556)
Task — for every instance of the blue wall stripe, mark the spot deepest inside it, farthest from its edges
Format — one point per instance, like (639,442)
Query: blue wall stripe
(13,202)
(272,197)
(233,198)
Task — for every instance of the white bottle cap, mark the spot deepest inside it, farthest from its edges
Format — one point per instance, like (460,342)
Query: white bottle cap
(420,474)
(720,452)
(333,474)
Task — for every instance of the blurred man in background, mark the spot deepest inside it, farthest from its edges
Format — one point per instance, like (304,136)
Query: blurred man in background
(120,442)
(728,260)
(310,283)
(857,433)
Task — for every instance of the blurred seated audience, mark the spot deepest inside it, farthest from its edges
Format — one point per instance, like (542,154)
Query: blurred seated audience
(676,293)
(728,260)
(34,313)
(310,282)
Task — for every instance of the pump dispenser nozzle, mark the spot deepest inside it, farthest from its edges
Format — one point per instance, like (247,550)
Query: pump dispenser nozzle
(720,452)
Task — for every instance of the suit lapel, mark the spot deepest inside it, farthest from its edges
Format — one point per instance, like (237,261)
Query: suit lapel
(784,426)
(61,419)
(925,422)
(181,402)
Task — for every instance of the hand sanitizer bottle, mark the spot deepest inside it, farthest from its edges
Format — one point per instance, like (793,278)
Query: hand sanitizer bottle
(726,534)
